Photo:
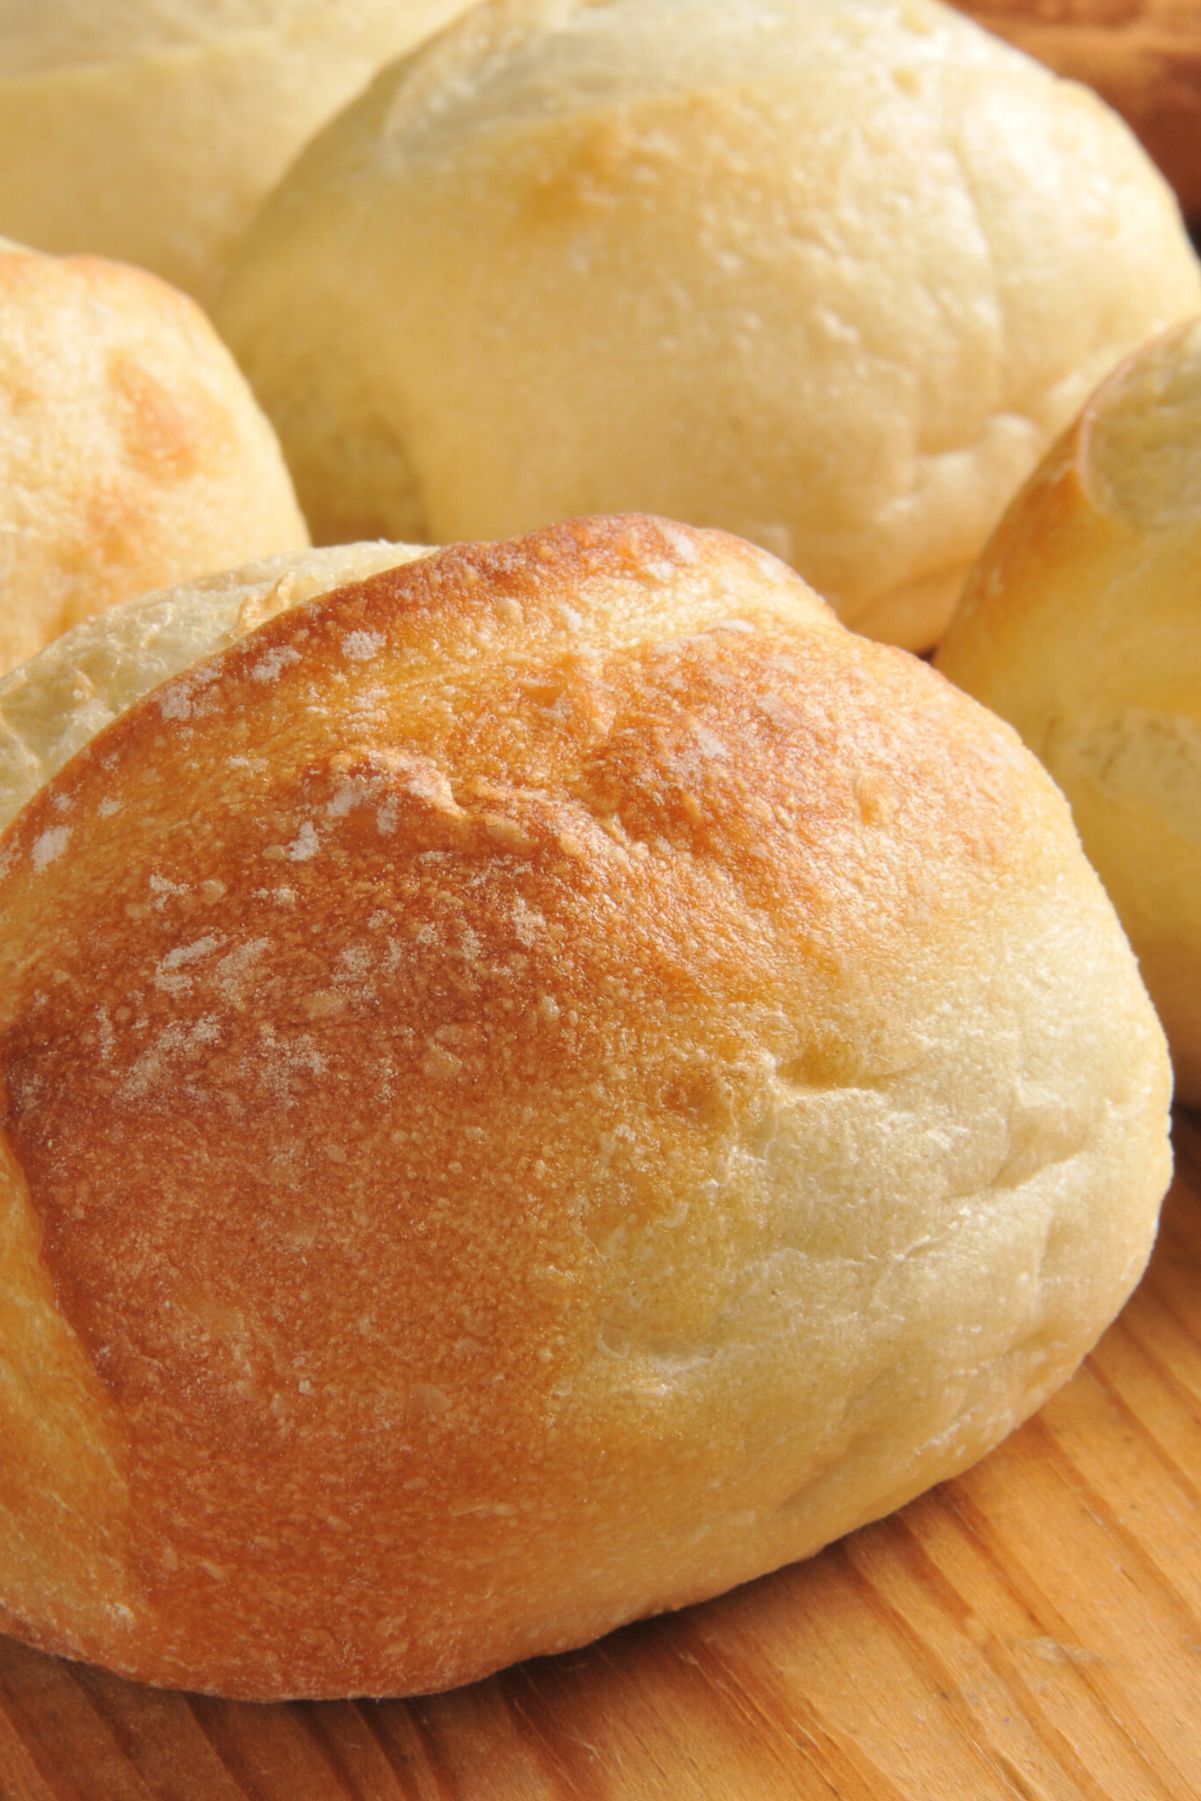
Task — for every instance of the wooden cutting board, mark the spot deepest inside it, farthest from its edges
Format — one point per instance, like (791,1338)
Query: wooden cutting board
(1032,1630)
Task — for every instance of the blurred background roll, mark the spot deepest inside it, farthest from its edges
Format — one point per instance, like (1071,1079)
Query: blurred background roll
(150,129)
(829,273)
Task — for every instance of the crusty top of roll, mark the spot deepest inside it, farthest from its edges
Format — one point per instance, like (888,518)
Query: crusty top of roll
(132,453)
(538,1085)
(829,273)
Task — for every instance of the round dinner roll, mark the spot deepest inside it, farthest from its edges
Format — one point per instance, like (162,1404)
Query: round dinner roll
(540,1084)
(149,130)
(132,452)
(1082,626)
(828,273)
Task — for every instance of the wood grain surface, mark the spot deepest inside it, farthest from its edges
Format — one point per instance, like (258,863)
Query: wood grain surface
(1031,1630)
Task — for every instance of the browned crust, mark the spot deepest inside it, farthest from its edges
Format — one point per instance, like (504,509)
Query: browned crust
(373,994)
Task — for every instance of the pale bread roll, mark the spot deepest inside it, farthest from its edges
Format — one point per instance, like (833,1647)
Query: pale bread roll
(132,452)
(1143,56)
(1082,626)
(149,130)
(540,1085)
(828,273)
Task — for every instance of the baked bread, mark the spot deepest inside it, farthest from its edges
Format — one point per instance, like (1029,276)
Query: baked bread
(1142,56)
(829,273)
(55,705)
(539,1085)
(149,130)
(1082,626)
(132,453)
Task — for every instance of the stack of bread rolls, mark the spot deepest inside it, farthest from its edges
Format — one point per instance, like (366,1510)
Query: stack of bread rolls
(830,274)
(549,1076)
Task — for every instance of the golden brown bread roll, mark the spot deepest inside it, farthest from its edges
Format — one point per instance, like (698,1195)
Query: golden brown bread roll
(1082,626)
(132,453)
(1143,56)
(539,1085)
(149,130)
(829,273)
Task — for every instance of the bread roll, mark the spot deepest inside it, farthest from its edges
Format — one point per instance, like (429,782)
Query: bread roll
(829,273)
(132,453)
(1143,56)
(1082,626)
(149,130)
(55,705)
(540,1085)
